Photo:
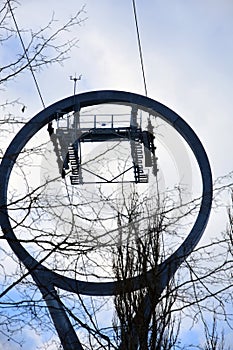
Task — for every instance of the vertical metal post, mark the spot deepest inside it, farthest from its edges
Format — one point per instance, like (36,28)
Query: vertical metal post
(65,330)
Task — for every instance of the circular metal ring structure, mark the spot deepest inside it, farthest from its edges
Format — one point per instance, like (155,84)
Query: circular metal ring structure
(170,265)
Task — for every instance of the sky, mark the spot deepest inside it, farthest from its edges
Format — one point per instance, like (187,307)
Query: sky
(187,49)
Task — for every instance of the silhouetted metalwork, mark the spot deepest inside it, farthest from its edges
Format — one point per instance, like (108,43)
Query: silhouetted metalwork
(46,279)
(68,142)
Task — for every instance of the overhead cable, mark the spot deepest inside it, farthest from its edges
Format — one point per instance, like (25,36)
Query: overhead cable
(139,46)
(25,53)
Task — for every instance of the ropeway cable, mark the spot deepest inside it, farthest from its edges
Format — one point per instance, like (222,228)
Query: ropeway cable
(139,46)
(25,53)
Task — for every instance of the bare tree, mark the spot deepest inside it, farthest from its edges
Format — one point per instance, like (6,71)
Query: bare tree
(134,328)
(201,288)
(44,46)
(41,47)
(81,239)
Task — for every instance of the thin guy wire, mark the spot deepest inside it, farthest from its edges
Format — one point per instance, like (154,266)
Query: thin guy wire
(26,55)
(139,46)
